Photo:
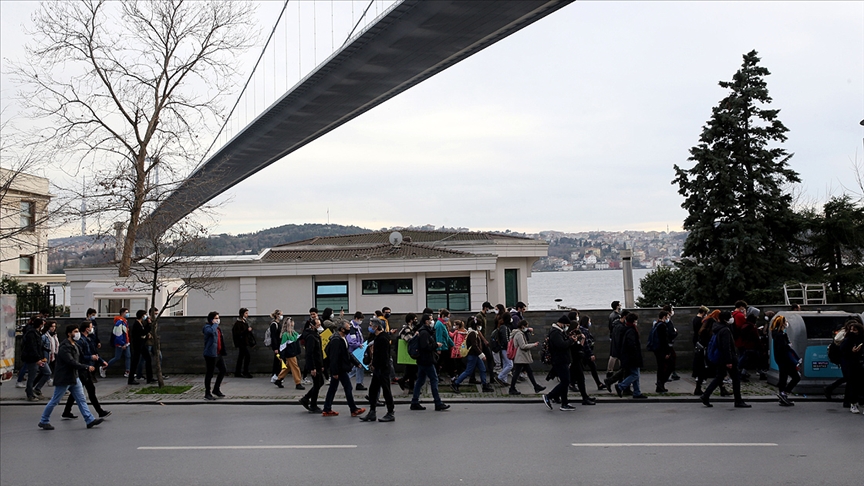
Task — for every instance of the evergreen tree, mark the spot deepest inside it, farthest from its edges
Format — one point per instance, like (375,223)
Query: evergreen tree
(740,219)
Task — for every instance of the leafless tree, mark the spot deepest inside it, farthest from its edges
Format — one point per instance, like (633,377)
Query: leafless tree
(125,89)
(170,269)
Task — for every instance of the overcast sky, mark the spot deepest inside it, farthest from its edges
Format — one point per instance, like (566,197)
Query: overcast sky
(573,123)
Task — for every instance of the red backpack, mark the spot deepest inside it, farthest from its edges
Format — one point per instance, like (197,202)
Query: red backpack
(511,349)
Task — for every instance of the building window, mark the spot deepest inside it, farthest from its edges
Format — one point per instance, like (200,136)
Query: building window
(331,294)
(111,307)
(28,216)
(177,306)
(386,287)
(25,265)
(511,287)
(449,293)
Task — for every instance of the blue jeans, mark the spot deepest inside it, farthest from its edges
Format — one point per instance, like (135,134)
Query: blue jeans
(345,380)
(424,372)
(38,375)
(357,374)
(118,352)
(471,363)
(631,378)
(506,365)
(77,391)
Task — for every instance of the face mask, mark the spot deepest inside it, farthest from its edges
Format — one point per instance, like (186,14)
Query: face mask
(76,336)
(495,311)
(387,315)
(93,318)
(370,329)
(126,315)
(216,321)
(479,328)
(731,320)
(766,318)
(590,324)
(320,329)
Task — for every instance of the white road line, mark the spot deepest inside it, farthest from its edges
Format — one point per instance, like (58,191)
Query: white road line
(182,448)
(681,444)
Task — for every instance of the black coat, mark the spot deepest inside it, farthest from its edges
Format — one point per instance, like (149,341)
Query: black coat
(31,346)
(617,336)
(239,332)
(337,351)
(67,364)
(631,349)
(725,344)
(663,341)
(559,347)
(381,351)
(428,347)
(138,333)
(314,356)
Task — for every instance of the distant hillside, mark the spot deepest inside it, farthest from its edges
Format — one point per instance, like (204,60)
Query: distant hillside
(225,244)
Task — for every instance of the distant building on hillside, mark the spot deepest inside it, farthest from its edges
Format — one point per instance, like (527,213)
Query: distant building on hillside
(454,270)
(24,202)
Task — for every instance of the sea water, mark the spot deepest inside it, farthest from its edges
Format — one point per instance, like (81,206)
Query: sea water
(593,289)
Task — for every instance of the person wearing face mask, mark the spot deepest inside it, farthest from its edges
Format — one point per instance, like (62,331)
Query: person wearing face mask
(66,378)
(428,349)
(852,352)
(244,340)
(140,331)
(559,346)
(94,334)
(727,362)
(671,334)
(120,340)
(314,364)
(50,345)
(355,341)
(87,355)
(442,336)
(214,352)
(787,360)
(663,351)
(405,334)
(589,361)
(480,318)
(340,367)
(276,367)
(289,349)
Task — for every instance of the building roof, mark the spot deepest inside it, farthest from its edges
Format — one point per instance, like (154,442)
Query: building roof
(430,238)
(333,252)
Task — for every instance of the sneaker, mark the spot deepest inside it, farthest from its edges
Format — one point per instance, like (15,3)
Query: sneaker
(784,400)
(455,388)
(360,387)
(417,406)
(387,418)
(589,402)
(705,401)
(329,413)
(95,422)
(20,384)
(501,382)
(359,411)
(305,402)
(547,402)
(33,399)
(274,378)
(102,372)
(306,381)
(854,409)
(300,387)
(567,408)
(69,415)
(104,413)
(46,426)
(538,389)
(619,391)
(51,382)
(279,383)
(488,388)
(38,393)
(674,377)
(315,410)
(514,392)
(442,407)
(126,374)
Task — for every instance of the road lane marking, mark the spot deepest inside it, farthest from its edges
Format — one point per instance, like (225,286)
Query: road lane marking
(680,444)
(183,448)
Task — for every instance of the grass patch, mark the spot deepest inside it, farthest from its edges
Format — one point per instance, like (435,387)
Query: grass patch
(165,390)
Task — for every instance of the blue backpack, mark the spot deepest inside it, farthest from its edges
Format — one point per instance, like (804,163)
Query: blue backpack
(713,354)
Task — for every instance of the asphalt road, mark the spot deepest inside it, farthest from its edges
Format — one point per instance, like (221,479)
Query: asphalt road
(812,443)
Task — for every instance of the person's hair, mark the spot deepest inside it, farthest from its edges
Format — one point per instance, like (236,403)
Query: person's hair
(425,317)
(242,311)
(385,309)
(90,311)
(85,324)
(326,315)
(615,304)
(443,313)
(521,305)
(428,310)
(358,315)
(625,313)
(123,310)
(377,323)
(37,322)
(703,310)
(212,315)
(487,305)
(663,314)
(457,324)
(856,324)
(667,308)
(70,328)
(523,323)
(584,320)
(315,310)
(141,313)
(47,326)
(504,319)
(725,316)
(573,315)
(501,309)
(345,327)
(778,323)
(795,307)
(286,323)
(378,313)
(712,316)
(631,318)
(275,314)
(740,303)
(45,311)
(409,317)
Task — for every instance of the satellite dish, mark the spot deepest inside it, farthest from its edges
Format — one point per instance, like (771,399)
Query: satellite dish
(395,238)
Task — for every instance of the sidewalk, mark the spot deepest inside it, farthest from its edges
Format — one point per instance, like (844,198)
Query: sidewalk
(259,390)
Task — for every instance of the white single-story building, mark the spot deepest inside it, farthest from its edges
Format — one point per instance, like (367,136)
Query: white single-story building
(406,271)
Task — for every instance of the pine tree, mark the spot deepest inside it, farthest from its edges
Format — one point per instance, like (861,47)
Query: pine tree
(740,219)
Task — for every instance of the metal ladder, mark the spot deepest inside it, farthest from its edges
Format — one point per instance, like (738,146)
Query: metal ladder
(805,294)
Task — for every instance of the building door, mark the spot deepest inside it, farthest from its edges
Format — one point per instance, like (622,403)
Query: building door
(511,286)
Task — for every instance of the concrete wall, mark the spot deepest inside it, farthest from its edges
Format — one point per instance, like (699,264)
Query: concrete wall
(183,342)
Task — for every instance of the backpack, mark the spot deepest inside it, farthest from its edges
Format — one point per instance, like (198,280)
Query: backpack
(267,339)
(545,355)
(653,340)
(414,346)
(511,349)
(495,344)
(713,354)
